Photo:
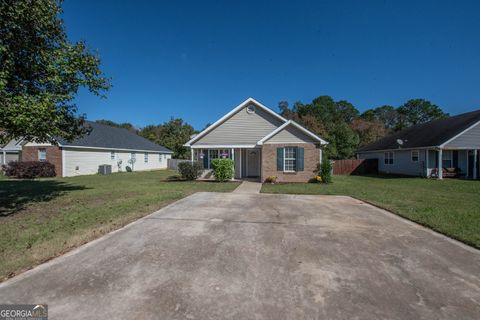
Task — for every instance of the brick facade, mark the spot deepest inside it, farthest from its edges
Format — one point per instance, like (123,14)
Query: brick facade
(54,156)
(269,162)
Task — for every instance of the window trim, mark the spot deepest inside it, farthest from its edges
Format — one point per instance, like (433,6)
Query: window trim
(418,155)
(285,159)
(386,157)
(44,151)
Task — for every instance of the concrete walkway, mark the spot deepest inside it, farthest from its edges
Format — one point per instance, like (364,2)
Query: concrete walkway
(248,187)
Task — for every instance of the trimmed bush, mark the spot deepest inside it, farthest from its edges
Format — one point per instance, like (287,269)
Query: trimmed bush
(326,171)
(222,169)
(29,169)
(190,170)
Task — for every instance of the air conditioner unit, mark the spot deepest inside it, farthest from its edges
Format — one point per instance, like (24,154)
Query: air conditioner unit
(105,169)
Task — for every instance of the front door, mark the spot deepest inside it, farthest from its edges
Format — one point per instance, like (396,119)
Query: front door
(253,162)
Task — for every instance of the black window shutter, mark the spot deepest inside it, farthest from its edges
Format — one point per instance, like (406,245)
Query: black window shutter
(279,159)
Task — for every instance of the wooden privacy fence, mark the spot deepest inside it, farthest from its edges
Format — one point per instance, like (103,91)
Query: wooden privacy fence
(173,163)
(355,166)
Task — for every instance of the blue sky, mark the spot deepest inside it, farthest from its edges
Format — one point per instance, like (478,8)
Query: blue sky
(198,59)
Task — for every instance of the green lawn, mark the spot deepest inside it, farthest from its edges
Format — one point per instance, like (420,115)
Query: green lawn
(44,218)
(449,206)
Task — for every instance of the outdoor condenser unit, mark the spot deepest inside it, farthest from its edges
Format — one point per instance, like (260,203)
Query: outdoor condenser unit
(105,169)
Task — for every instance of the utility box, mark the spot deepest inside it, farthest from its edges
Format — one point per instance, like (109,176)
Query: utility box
(105,169)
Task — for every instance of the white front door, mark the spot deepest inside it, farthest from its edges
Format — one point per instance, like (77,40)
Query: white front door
(253,162)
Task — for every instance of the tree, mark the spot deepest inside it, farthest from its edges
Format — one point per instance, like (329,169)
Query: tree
(124,125)
(418,111)
(343,142)
(172,134)
(369,131)
(41,72)
(386,114)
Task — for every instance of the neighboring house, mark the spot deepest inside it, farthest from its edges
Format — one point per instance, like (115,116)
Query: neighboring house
(104,145)
(417,150)
(10,152)
(262,143)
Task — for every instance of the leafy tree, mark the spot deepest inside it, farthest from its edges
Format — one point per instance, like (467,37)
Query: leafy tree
(41,72)
(418,111)
(343,142)
(369,131)
(124,125)
(172,134)
(386,114)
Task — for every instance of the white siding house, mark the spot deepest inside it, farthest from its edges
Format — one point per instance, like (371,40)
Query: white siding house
(104,145)
(448,146)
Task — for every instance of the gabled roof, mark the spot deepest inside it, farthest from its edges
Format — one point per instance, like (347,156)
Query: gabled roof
(296,125)
(108,137)
(12,146)
(431,134)
(230,114)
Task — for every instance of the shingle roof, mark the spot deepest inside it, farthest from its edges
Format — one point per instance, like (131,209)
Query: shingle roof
(104,136)
(430,134)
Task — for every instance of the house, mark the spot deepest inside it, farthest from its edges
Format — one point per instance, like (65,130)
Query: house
(416,151)
(117,147)
(261,143)
(10,152)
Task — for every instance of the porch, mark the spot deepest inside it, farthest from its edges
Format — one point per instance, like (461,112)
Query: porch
(455,163)
(247,160)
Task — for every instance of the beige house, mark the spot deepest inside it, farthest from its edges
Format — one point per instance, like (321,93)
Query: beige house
(262,143)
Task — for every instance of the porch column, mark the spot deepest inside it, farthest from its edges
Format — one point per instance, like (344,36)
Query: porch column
(475,159)
(191,151)
(4,160)
(320,158)
(426,162)
(240,151)
(233,159)
(440,157)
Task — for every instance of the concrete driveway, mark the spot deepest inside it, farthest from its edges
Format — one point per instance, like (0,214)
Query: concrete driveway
(258,256)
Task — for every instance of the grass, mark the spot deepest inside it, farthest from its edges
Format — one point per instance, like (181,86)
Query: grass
(44,218)
(449,206)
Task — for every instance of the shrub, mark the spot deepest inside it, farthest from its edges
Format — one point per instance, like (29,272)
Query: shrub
(190,170)
(222,169)
(29,169)
(326,171)
(271,179)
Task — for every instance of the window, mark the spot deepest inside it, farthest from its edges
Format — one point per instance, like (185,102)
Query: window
(42,154)
(112,155)
(388,158)
(447,159)
(290,159)
(133,155)
(415,155)
(160,157)
(145,157)
(225,154)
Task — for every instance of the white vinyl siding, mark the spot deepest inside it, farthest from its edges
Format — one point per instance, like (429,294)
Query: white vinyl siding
(87,161)
(290,134)
(242,128)
(469,139)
